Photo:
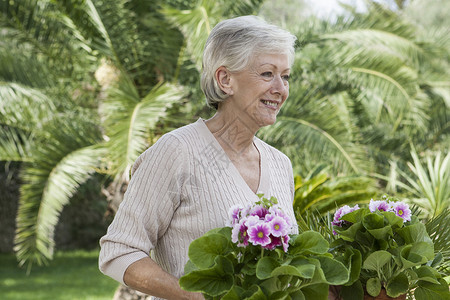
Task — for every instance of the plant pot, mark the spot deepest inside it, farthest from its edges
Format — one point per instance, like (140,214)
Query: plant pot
(383,296)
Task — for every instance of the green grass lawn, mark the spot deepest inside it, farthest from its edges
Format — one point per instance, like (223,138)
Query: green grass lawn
(70,275)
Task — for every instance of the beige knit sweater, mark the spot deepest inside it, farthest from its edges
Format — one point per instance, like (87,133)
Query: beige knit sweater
(181,187)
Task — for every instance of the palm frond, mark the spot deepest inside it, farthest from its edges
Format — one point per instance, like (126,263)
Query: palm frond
(428,186)
(24,107)
(129,120)
(387,65)
(433,183)
(19,65)
(14,145)
(241,7)
(196,24)
(38,25)
(439,230)
(64,159)
(315,127)
(372,41)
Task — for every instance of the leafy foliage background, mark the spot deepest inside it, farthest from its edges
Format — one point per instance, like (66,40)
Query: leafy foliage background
(87,85)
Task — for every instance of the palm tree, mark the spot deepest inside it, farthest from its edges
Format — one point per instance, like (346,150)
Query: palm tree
(88,88)
(364,88)
(60,123)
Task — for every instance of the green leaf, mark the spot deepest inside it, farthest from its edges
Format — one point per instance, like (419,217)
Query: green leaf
(364,238)
(414,233)
(334,272)
(235,293)
(373,221)
(353,292)
(265,267)
(424,249)
(204,250)
(297,295)
(213,281)
(316,292)
(393,220)
(309,242)
(397,286)
(381,233)
(286,270)
(220,230)
(249,269)
(279,295)
(438,258)
(427,290)
(272,284)
(257,293)
(409,259)
(225,231)
(373,286)
(305,268)
(353,261)
(355,216)
(350,233)
(416,254)
(375,225)
(189,267)
(376,260)
(426,273)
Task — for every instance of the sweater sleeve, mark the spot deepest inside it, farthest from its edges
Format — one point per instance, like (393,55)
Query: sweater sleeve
(152,196)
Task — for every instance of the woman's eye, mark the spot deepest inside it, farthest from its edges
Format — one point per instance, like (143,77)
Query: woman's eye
(286,77)
(267,74)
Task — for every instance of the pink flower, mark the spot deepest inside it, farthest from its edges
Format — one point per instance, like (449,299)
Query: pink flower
(278,226)
(379,205)
(239,234)
(251,221)
(235,233)
(341,212)
(234,214)
(259,211)
(259,234)
(259,224)
(402,210)
(269,217)
(285,242)
(274,242)
(276,210)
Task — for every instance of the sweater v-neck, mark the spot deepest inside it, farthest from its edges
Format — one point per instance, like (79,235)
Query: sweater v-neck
(227,164)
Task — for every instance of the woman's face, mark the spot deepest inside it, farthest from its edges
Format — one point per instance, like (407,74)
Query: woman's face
(261,89)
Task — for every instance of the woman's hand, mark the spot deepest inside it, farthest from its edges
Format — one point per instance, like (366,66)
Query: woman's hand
(197,296)
(146,276)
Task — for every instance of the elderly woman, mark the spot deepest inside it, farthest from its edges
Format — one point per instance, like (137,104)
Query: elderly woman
(184,184)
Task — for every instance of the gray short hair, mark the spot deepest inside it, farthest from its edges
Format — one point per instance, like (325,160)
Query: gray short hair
(233,43)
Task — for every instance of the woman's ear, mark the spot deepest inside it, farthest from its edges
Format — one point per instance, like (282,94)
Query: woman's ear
(223,78)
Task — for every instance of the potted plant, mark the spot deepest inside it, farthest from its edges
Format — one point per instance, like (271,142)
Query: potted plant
(258,257)
(388,252)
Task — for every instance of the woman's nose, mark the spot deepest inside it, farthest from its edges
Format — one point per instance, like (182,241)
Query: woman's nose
(279,86)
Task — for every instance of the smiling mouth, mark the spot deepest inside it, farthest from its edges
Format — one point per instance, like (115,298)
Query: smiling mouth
(271,104)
